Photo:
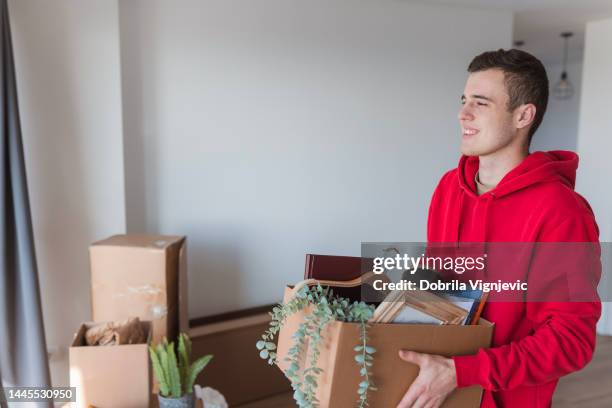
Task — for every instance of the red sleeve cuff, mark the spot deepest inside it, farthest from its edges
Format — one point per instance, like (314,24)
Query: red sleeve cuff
(467,368)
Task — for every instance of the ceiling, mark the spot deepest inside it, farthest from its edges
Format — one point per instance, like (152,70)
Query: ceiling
(540,22)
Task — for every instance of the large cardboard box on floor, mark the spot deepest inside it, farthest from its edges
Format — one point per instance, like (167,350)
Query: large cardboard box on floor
(110,376)
(141,275)
(339,380)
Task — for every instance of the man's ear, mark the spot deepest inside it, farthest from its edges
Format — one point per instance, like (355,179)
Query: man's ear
(524,115)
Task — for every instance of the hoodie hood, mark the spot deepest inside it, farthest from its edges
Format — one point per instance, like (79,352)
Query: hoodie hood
(538,167)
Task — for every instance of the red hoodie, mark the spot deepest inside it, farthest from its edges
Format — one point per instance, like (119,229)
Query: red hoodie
(534,343)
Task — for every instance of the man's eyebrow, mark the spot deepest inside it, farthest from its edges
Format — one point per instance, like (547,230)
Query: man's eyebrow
(478,97)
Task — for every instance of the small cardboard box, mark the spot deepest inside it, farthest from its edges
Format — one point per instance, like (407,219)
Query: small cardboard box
(141,275)
(392,376)
(110,376)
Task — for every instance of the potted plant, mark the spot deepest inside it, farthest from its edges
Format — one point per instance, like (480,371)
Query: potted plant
(327,307)
(176,376)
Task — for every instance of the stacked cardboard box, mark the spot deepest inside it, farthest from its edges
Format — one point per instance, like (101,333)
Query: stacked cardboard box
(144,276)
(134,275)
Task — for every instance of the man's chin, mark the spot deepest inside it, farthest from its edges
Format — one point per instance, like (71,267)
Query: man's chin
(470,151)
(471,148)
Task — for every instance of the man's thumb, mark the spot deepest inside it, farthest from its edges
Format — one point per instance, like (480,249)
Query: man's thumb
(411,356)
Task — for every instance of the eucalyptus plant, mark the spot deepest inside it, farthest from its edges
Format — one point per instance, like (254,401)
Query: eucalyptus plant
(327,307)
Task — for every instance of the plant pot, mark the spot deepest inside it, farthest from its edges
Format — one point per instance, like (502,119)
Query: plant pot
(186,401)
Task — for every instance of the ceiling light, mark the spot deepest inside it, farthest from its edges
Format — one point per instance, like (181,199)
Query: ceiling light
(563,88)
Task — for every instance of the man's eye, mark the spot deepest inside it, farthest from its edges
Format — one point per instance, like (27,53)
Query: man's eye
(482,104)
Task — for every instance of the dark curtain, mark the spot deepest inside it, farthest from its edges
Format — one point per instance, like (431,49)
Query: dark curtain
(23,356)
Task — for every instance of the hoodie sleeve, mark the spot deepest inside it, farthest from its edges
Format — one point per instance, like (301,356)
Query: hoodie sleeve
(563,339)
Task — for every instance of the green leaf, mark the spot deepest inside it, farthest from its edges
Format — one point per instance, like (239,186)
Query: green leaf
(298,396)
(197,367)
(260,345)
(163,359)
(174,375)
(184,356)
(159,372)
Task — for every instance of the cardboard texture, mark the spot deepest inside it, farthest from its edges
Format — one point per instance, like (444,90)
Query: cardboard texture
(141,275)
(126,383)
(391,375)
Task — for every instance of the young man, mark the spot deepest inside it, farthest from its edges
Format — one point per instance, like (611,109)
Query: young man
(502,193)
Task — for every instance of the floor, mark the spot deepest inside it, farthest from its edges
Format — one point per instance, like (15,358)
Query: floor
(589,388)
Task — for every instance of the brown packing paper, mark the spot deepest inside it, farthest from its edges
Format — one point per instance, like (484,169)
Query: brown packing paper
(110,376)
(141,275)
(129,331)
(101,335)
(391,375)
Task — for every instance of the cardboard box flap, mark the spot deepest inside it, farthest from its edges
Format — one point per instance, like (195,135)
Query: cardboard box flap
(141,241)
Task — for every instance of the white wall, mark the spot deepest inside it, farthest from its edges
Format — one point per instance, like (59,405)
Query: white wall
(68,80)
(559,130)
(265,130)
(594,138)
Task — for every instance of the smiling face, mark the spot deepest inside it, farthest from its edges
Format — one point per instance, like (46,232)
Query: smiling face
(487,125)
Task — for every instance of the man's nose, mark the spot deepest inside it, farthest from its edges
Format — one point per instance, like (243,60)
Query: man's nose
(465,114)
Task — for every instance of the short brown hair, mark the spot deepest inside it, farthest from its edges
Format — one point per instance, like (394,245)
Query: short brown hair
(525,78)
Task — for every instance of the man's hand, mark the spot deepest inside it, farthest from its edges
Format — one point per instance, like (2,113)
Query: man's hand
(436,380)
